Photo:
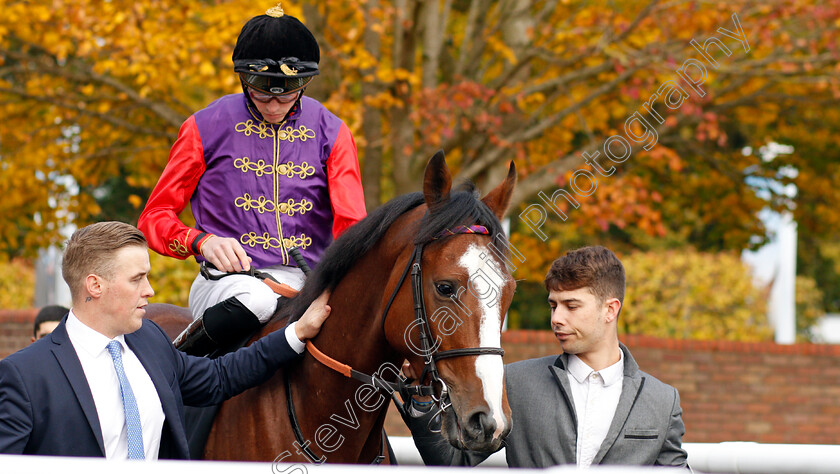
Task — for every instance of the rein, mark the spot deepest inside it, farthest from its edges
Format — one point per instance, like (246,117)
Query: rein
(281,289)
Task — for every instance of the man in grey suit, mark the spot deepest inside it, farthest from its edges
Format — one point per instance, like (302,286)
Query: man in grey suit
(589,405)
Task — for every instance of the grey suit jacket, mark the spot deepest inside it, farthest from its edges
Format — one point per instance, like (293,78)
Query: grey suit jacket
(647,427)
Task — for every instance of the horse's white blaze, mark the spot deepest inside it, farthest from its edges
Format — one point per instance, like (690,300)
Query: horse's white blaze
(486,285)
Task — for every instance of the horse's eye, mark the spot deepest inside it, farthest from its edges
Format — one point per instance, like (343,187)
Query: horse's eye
(445,289)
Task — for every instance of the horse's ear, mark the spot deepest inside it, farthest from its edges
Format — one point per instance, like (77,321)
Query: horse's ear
(498,199)
(437,181)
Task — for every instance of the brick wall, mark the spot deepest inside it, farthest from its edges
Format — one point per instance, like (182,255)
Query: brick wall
(15,329)
(730,391)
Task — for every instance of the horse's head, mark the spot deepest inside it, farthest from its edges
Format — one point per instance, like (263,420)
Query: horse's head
(467,289)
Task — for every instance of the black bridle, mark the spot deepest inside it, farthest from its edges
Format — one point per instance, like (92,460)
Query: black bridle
(428,351)
(436,388)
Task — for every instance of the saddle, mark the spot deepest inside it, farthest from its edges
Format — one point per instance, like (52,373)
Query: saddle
(199,420)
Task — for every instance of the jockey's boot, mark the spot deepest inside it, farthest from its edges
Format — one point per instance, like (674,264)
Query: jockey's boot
(220,326)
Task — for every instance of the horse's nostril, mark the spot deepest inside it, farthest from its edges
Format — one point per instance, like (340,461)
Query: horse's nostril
(482,424)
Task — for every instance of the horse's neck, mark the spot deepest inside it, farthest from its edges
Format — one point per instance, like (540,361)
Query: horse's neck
(352,335)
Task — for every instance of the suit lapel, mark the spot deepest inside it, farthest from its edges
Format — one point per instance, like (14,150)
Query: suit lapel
(631,386)
(562,378)
(65,354)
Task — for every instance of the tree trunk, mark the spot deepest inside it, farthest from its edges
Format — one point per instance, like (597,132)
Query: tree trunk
(371,119)
(402,130)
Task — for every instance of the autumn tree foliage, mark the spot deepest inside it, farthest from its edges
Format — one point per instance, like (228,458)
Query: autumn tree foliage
(692,295)
(96,91)
(676,293)
(92,93)
(17,284)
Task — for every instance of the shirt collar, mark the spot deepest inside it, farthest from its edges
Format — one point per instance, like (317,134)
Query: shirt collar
(88,339)
(615,372)
(580,371)
(578,368)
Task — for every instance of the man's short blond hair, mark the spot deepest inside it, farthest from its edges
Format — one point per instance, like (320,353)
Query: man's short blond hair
(91,250)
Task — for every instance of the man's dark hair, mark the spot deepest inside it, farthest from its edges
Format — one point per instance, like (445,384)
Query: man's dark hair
(48,313)
(596,268)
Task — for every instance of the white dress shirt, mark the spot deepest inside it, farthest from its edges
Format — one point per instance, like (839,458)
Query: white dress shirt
(91,348)
(596,397)
(291,337)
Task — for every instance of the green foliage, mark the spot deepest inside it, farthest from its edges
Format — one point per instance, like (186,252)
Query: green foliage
(819,260)
(529,309)
(17,284)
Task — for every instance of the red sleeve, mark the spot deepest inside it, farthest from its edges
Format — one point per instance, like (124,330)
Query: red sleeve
(346,195)
(159,222)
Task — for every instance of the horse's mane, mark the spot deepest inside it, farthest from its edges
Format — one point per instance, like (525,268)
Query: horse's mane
(463,207)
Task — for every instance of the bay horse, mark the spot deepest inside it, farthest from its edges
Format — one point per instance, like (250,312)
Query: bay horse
(464,288)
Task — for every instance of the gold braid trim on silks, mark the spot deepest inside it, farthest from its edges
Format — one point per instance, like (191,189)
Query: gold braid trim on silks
(287,169)
(179,248)
(263,205)
(275,11)
(265,130)
(262,129)
(260,167)
(290,134)
(301,242)
(266,241)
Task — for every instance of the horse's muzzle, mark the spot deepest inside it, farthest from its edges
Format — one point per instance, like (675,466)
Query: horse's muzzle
(477,431)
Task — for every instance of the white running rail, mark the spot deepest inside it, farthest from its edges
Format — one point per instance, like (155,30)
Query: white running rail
(731,457)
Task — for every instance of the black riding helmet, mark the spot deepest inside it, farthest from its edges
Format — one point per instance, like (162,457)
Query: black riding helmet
(275,53)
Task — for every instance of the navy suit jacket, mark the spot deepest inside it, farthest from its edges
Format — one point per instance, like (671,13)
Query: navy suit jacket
(46,406)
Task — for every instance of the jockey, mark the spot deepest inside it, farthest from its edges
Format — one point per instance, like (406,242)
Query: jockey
(263,171)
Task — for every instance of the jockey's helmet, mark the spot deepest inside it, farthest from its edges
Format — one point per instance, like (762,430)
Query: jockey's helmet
(275,53)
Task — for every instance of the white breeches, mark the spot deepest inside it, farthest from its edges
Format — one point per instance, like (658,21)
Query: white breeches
(250,291)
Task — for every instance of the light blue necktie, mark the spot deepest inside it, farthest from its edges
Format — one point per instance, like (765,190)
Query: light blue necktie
(132,415)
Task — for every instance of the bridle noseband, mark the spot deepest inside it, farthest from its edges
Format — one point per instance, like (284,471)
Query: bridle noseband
(429,353)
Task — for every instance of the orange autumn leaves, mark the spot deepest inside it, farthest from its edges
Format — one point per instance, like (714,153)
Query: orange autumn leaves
(93,89)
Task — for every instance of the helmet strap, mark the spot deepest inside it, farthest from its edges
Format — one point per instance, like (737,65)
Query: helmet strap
(247,95)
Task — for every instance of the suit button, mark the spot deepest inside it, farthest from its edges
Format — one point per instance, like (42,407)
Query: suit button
(282,169)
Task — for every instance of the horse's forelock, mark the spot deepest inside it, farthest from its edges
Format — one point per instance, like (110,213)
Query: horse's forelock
(462,208)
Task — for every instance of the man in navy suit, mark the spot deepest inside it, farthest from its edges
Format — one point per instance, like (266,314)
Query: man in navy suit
(109,383)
